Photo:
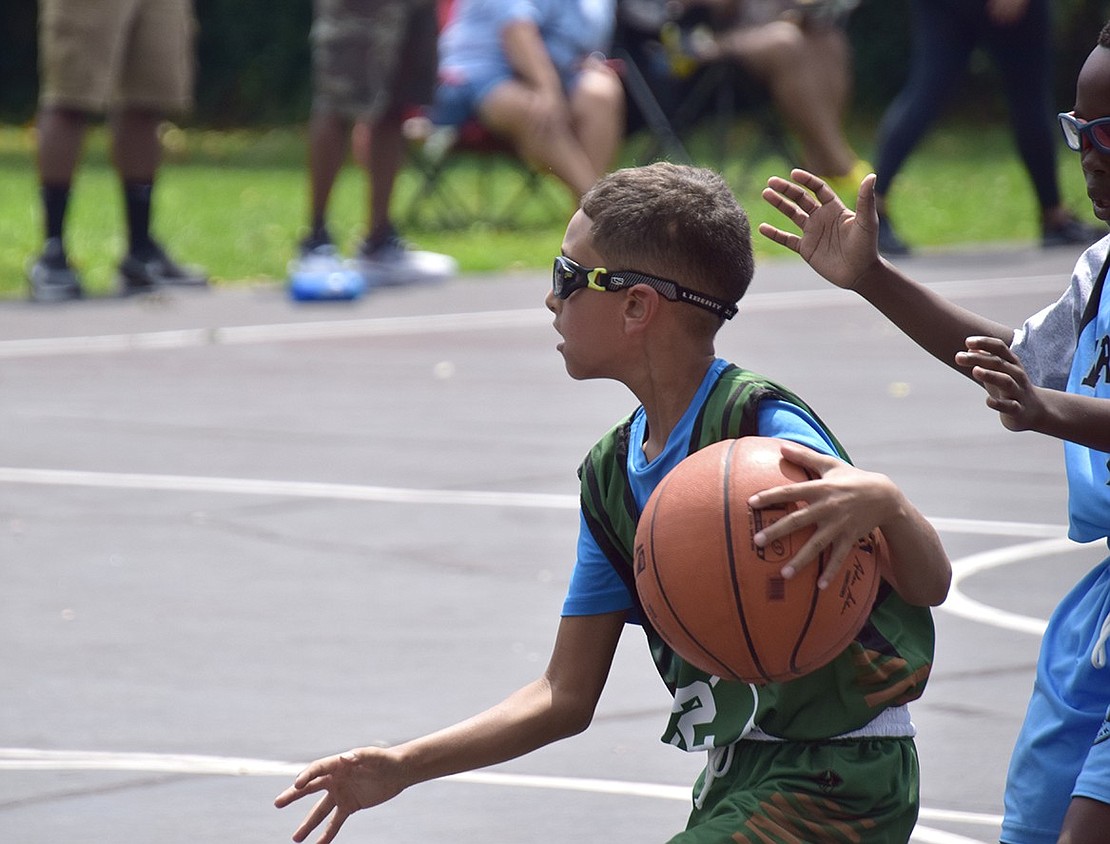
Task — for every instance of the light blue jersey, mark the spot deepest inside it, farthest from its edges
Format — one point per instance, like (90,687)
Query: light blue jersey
(1063,748)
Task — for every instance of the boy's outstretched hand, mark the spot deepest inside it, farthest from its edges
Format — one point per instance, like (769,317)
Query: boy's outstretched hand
(357,779)
(838,243)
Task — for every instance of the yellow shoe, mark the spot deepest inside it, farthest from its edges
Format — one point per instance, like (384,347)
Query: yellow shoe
(674,40)
(847,185)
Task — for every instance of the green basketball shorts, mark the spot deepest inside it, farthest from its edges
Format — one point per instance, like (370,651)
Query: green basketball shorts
(863,791)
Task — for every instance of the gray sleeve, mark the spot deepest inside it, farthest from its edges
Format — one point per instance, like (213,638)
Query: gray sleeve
(1045,343)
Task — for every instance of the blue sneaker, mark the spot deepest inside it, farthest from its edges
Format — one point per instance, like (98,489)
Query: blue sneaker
(321,274)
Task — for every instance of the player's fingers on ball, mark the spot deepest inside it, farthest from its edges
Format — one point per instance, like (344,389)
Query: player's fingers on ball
(805,557)
(828,574)
(807,458)
(810,552)
(771,533)
(777,495)
(838,553)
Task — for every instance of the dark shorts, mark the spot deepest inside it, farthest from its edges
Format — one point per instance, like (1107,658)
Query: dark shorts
(370,56)
(117,53)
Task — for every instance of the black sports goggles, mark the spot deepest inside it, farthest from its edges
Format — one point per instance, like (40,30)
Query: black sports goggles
(568,276)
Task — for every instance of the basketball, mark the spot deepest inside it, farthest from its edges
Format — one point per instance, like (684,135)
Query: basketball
(718,600)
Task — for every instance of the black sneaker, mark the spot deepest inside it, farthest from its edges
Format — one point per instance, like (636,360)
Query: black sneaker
(154,270)
(51,277)
(890,244)
(1072,233)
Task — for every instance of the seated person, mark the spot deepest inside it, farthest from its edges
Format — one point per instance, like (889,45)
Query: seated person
(800,51)
(531,71)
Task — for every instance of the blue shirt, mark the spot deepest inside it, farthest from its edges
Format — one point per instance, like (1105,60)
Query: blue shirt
(595,586)
(471,46)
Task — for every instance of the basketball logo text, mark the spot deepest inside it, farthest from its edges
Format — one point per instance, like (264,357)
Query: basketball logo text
(853,574)
(779,549)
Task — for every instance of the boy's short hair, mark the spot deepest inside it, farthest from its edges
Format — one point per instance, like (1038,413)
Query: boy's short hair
(1104,35)
(674,221)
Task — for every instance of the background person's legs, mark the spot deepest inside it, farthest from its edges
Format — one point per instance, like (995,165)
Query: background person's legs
(597,115)
(61,135)
(941,48)
(1023,54)
(541,132)
(327,152)
(808,75)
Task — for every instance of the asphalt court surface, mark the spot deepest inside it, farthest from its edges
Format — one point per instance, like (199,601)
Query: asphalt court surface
(237,533)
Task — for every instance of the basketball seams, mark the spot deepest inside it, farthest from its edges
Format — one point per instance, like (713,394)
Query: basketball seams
(815,595)
(675,617)
(716,618)
(737,596)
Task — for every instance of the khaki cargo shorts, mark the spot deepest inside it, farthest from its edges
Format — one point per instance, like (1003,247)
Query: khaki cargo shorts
(99,55)
(369,56)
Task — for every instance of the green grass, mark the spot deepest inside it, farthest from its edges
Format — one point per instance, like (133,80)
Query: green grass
(236,203)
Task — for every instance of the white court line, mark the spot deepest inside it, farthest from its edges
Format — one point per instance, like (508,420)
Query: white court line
(401,495)
(30,759)
(245,334)
(1052,537)
(440,323)
(290,489)
(959,604)
(16,759)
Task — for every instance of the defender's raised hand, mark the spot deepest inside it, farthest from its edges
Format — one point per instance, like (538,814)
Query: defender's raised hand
(838,243)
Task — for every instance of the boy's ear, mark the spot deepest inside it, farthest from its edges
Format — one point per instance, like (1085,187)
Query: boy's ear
(641,304)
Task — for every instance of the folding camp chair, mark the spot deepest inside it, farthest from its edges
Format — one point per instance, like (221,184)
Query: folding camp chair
(468,175)
(669,101)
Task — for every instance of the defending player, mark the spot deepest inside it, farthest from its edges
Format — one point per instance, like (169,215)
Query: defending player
(1052,375)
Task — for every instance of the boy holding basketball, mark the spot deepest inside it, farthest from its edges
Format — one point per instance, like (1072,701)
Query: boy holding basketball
(830,754)
(1052,375)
